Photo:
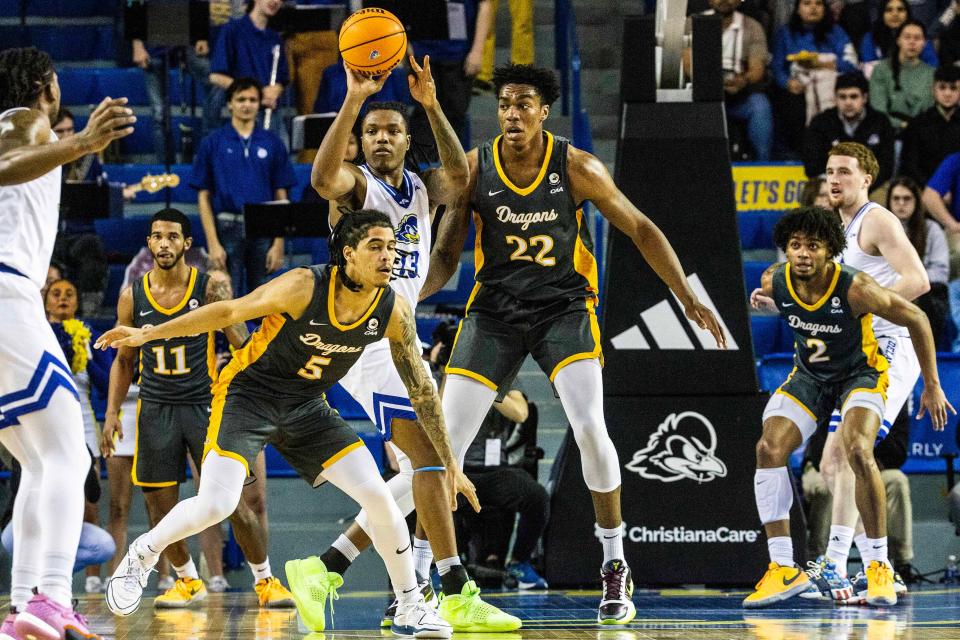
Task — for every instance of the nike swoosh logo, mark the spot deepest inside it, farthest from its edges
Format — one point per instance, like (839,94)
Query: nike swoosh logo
(610,537)
(878,546)
(789,582)
(493,193)
(410,590)
(400,552)
(318,324)
(786,304)
(145,313)
(760,482)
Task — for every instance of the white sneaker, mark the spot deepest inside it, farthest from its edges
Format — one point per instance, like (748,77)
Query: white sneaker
(165,583)
(125,586)
(217,584)
(93,585)
(420,620)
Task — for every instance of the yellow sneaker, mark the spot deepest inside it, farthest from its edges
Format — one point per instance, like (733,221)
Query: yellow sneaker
(777,584)
(183,593)
(880,589)
(273,595)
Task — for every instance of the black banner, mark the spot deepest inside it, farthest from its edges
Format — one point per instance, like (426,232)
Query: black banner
(673,164)
(689,513)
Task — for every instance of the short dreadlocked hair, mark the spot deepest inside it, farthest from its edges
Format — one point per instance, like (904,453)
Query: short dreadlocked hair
(812,222)
(24,74)
(349,231)
(543,80)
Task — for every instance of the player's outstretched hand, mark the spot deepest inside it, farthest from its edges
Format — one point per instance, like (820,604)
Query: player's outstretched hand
(422,87)
(933,400)
(458,483)
(111,120)
(112,431)
(362,86)
(707,321)
(120,337)
(761,302)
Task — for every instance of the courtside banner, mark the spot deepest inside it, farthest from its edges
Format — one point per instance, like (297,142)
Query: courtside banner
(689,514)
(766,187)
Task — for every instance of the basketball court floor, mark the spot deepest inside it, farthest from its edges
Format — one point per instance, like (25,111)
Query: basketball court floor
(932,612)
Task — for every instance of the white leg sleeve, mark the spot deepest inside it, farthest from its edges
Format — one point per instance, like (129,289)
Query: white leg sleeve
(356,474)
(774,494)
(216,499)
(465,405)
(401,488)
(580,385)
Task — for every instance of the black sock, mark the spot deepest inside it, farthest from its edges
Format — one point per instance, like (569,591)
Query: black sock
(335,561)
(452,581)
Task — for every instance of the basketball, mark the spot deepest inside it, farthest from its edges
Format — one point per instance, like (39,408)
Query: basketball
(372,41)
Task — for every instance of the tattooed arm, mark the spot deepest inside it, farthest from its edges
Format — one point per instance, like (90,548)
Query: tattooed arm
(402,333)
(218,288)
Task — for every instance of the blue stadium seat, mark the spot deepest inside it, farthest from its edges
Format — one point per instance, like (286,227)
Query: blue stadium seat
(752,271)
(749,227)
(773,370)
(78,86)
(65,8)
(181,92)
(76,43)
(121,82)
(765,330)
(302,172)
(321,251)
(114,281)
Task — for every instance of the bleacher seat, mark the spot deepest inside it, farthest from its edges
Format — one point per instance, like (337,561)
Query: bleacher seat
(85,42)
(302,172)
(116,82)
(321,252)
(756,229)
(752,272)
(773,369)
(765,330)
(114,281)
(63,8)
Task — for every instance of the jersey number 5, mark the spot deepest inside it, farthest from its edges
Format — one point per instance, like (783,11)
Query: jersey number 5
(819,349)
(314,368)
(179,358)
(520,253)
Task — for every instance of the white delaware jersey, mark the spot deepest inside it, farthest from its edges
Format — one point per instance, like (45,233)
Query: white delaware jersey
(876,267)
(29,214)
(409,211)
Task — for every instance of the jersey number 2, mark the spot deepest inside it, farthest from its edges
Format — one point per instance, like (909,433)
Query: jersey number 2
(314,368)
(179,358)
(520,253)
(819,349)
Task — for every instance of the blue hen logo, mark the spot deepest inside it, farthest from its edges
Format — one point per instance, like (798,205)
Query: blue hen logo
(683,446)
(408,231)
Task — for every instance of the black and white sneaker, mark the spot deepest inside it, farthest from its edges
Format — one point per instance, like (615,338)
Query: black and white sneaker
(429,597)
(616,605)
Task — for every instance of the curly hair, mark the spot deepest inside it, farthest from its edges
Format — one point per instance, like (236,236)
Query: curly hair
(24,74)
(543,80)
(812,222)
(349,231)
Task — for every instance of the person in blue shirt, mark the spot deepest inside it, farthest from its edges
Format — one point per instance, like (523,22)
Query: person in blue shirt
(455,61)
(333,89)
(878,43)
(811,29)
(244,48)
(241,163)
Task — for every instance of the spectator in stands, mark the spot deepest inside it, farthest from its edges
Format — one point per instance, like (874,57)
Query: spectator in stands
(309,53)
(240,164)
(880,41)
(890,455)
(244,49)
(942,188)
(928,238)
(521,42)
(91,373)
(807,54)
(55,272)
(934,134)
(151,61)
(744,59)
(816,193)
(455,61)
(333,89)
(852,120)
(901,85)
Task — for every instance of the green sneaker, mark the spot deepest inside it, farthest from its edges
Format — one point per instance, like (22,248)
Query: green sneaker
(467,612)
(311,584)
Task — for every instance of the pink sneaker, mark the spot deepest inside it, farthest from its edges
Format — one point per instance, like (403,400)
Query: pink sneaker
(7,632)
(47,619)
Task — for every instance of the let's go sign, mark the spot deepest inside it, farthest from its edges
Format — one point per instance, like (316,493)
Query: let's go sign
(762,187)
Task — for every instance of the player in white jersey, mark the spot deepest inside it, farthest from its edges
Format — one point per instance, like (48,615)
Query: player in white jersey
(40,420)
(878,246)
(383,183)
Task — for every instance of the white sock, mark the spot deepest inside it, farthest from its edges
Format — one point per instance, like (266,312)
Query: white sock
(346,547)
(422,557)
(838,548)
(781,550)
(444,566)
(876,548)
(612,541)
(189,570)
(261,571)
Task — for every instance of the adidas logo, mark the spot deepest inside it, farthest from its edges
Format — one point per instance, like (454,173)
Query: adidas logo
(671,329)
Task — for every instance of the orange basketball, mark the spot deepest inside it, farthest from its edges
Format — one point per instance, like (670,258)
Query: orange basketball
(372,41)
